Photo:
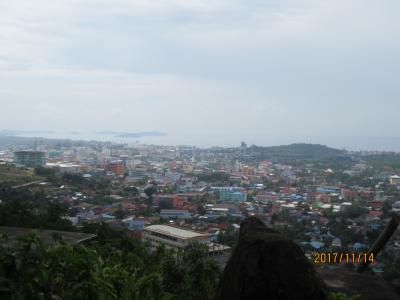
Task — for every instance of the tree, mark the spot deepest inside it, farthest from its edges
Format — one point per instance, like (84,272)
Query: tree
(391,262)
(274,218)
(119,214)
(150,190)
(229,237)
(49,174)
(386,208)
(165,204)
(131,190)
(115,266)
(24,208)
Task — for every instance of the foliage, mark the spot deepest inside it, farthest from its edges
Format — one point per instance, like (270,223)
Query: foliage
(15,175)
(24,208)
(391,260)
(342,296)
(354,211)
(97,182)
(150,190)
(296,152)
(165,204)
(129,191)
(114,266)
(346,235)
(45,172)
(229,237)
(387,207)
(385,161)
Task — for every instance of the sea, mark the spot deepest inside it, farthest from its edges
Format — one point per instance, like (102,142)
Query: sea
(351,143)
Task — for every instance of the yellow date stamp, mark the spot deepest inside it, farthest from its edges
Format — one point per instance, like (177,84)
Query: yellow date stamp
(343,258)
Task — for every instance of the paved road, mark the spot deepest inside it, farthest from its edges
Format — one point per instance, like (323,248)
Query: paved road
(25,184)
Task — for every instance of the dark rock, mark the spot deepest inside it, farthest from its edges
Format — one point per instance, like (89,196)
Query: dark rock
(265,265)
(367,285)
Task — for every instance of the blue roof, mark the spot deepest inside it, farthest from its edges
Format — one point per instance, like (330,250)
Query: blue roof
(358,246)
(375,226)
(316,245)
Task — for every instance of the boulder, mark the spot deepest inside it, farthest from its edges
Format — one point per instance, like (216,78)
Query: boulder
(266,265)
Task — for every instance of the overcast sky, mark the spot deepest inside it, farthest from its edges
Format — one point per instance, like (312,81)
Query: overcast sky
(206,71)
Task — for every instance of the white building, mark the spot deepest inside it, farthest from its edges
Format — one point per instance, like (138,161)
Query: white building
(395,180)
(65,168)
(179,238)
(172,237)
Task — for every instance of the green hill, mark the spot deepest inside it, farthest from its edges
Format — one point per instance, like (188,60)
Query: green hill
(295,152)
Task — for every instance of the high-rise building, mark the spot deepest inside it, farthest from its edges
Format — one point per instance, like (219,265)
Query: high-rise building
(117,167)
(138,172)
(30,158)
(238,197)
(225,194)
(243,149)
(55,155)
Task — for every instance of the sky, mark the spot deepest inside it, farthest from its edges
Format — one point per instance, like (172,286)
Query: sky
(205,72)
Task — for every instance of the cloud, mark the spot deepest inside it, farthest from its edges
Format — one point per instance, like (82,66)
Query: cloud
(216,68)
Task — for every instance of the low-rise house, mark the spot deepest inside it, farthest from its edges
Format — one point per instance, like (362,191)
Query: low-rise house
(134,224)
(175,214)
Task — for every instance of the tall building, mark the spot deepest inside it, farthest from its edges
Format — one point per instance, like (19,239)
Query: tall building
(30,158)
(55,155)
(229,194)
(225,194)
(243,149)
(238,197)
(248,171)
(138,172)
(116,167)
(83,154)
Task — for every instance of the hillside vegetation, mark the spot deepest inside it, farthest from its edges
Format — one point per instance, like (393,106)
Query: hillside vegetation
(295,152)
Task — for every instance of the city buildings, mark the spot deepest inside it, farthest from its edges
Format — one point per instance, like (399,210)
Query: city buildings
(210,190)
(238,197)
(231,194)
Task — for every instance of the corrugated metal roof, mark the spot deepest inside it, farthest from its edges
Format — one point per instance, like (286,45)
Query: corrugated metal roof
(174,231)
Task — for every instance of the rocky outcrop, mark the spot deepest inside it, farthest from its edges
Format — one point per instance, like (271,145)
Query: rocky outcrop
(265,265)
(367,285)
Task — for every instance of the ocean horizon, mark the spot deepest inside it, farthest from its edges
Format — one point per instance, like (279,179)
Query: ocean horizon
(351,143)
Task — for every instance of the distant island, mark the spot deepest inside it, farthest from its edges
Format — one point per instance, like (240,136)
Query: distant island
(11,132)
(108,132)
(141,134)
(132,134)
